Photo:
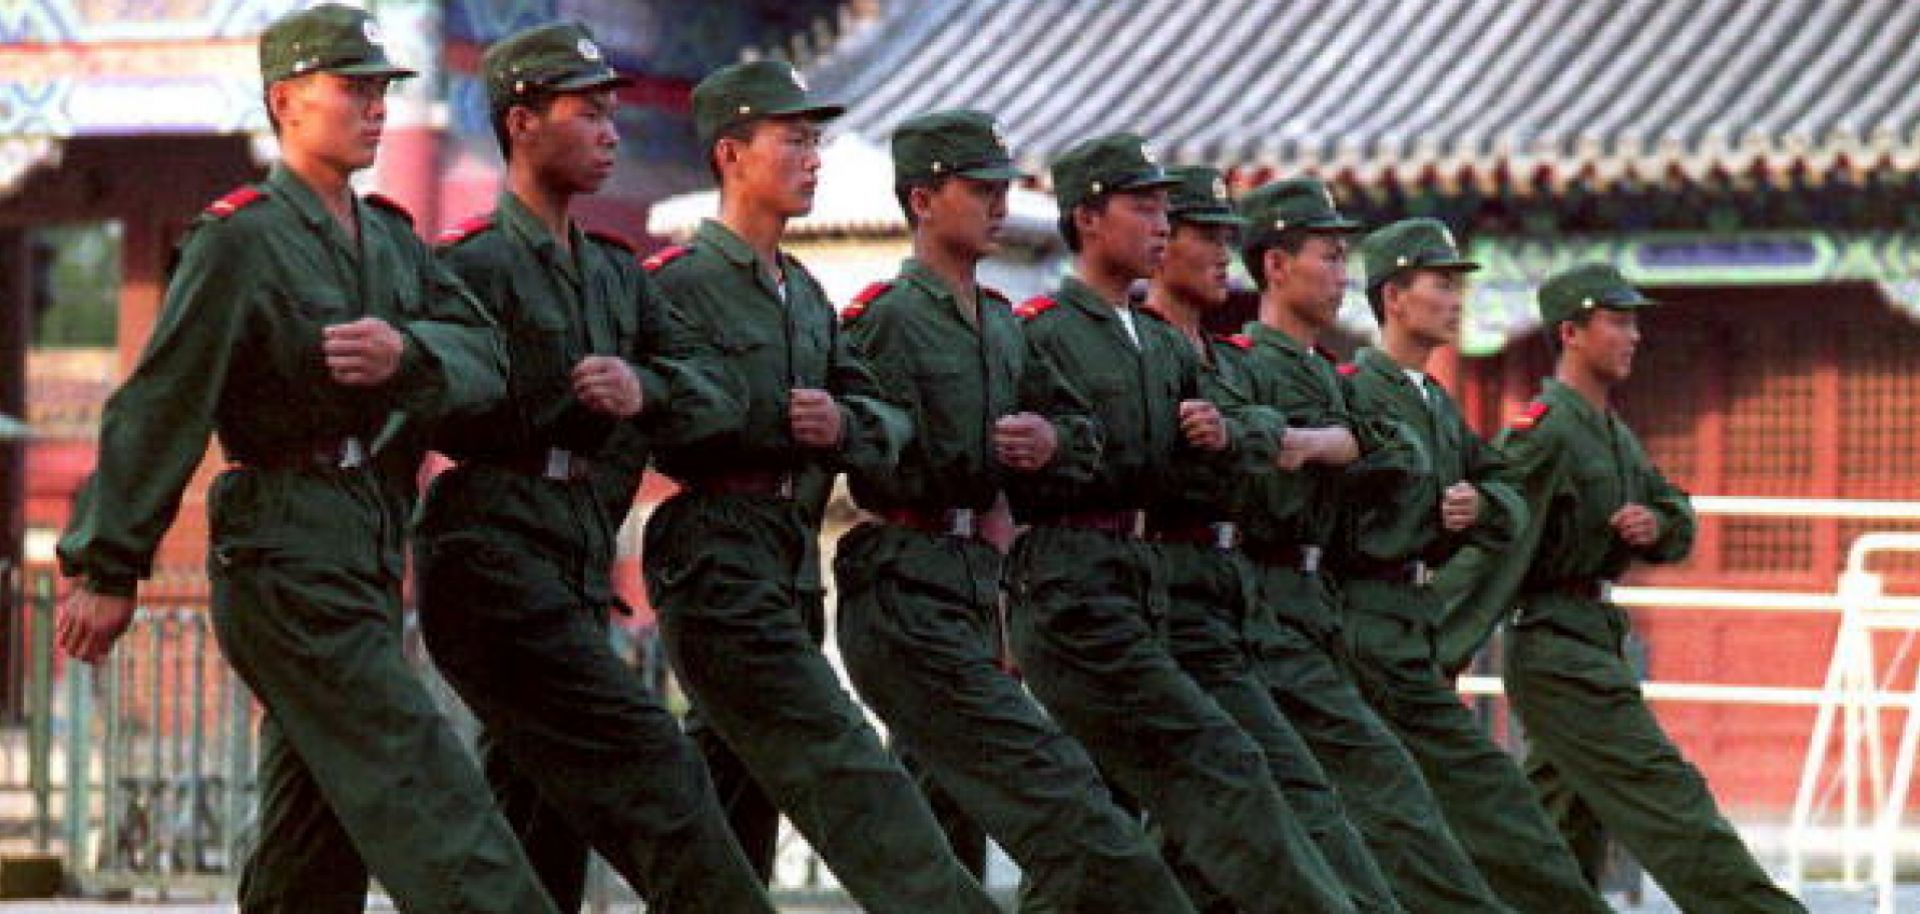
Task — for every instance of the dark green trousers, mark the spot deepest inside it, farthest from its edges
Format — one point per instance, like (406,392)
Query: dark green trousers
(1601,762)
(1297,645)
(359,771)
(918,629)
(558,853)
(1213,595)
(530,656)
(1482,792)
(964,834)
(724,573)
(1088,614)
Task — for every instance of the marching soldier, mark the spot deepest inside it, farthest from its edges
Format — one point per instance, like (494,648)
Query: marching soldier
(1296,251)
(731,561)
(1597,504)
(1087,600)
(919,620)
(1395,533)
(311,330)
(514,545)
(1211,588)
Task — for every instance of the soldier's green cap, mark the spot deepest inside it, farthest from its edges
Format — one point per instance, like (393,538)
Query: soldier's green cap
(561,57)
(1294,203)
(964,143)
(328,38)
(1568,293)
(754,89)
(1411,244)
(1201,196)
(1106,164)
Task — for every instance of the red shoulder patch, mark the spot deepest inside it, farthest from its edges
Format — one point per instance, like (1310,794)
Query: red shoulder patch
(618,241)
(1236,340)
(236,200)
(390,205)
(664,256)
(1347,369)
(464,229)
(1528,417)
(860,302)
(1034,307)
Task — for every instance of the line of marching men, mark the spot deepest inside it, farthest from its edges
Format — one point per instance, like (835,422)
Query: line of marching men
(1243,580)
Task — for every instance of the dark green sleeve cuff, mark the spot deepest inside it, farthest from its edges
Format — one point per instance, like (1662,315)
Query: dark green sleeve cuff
(654,389)
(111,585)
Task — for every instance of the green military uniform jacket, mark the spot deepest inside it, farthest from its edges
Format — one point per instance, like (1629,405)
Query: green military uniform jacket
(774,345)
(555,307)
(237,352)
(1438,450)
(1085,364)
(1206,492)
(953,377)
(1575,465)
(1299,383)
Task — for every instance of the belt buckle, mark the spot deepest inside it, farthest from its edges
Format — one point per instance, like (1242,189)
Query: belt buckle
(1421,575)
(1226,535)
(784,486)
(1139,530)
(1310,559)
(353,453)
(960,522)
(559,464)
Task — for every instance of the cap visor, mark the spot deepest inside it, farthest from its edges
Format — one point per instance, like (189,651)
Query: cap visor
(371,68)
(1460,266)
(993,173)
(1163,182)
(811,112)
(1204,217)
(606,79)
(1335,226)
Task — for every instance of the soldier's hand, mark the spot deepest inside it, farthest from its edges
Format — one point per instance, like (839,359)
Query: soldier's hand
(814,418)
(1024,441)
(607,385)
(89,623)
(1296,448)
(1636,526)
(362,353)
(1200,421)
(1459,507)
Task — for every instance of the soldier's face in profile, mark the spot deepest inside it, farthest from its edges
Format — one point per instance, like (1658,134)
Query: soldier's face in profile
(964,214)
(1429,305)
(1195,265)
(335,119)
(572,145)
(1314,281)
(778,166)
(1129,232)
(1605,343)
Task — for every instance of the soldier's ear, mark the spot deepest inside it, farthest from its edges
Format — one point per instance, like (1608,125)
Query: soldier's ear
(280,99)
(1273,265)
(521,121)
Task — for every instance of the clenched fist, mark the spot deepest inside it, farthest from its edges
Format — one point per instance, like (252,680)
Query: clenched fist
(1024,441)
(1200,422)
(814,418)
(1459,507)
(362,353)
(89,624)
(1637,526)
(607,385)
